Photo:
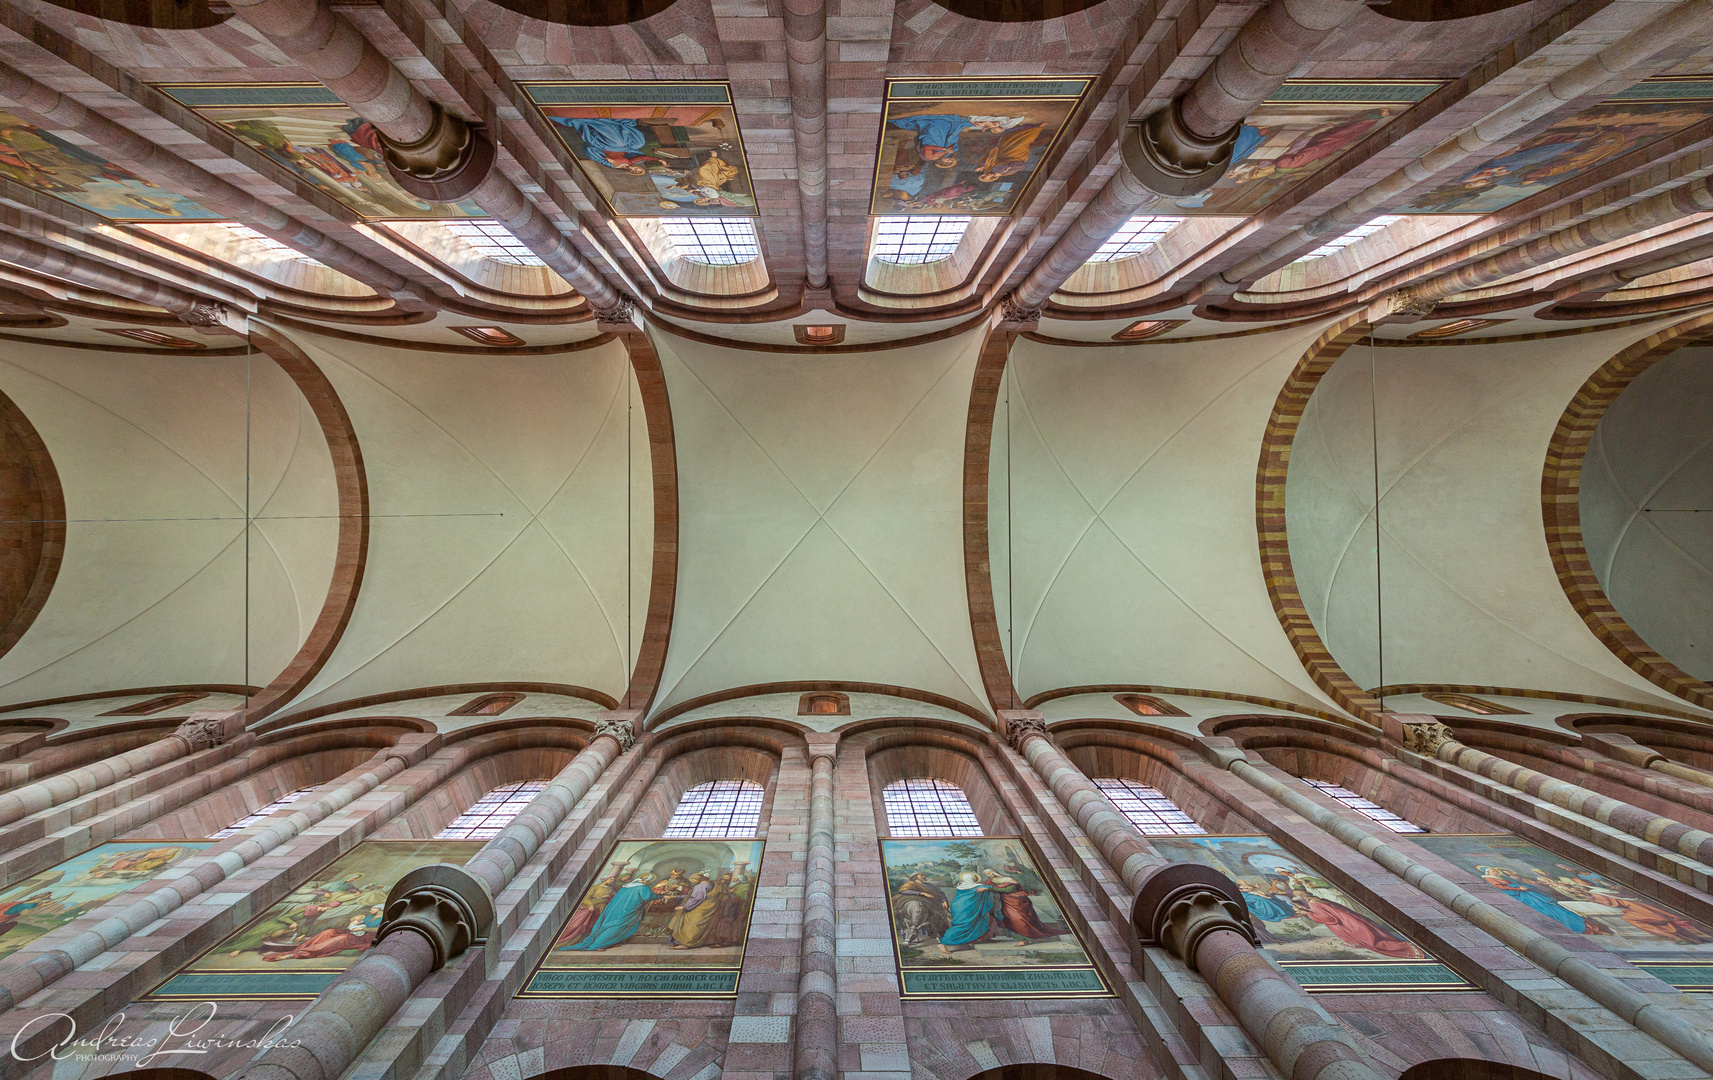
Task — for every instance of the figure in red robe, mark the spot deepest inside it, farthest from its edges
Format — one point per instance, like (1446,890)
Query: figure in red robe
(1353,929)
(1017,911)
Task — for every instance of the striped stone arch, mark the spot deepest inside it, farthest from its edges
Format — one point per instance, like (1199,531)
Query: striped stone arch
(1561,481)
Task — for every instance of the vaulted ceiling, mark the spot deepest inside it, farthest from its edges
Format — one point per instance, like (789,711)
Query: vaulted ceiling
(385,347)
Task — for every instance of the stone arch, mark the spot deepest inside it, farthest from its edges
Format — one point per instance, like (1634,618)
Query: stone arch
(894,755)
(490,760)
(1561,482)
(698,757)
(1151,755)
(1036,1070)
(32,540)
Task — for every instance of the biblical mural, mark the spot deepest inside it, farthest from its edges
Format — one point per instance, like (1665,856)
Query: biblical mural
(1317,932)
(663,918)
(52,898)
(301,944)
(975,918)
(967,146)
(307,130)
(1644,113)
(1306,125)
(658,149)
(44,162)
(1672,947)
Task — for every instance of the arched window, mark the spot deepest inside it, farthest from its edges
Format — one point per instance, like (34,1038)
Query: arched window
(927,807)
(491,240)
(1134,237)
(916,241)
(719,809)
(1148,705)
(250,819)
(487,705)
(155,705)
(1478,706)
(713,241)
(1362,806)
(1148,810)
(824,705)
(492,812)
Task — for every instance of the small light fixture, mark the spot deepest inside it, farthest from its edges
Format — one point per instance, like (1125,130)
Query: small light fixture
(819,334)
(489,335)
(155,337)
(1147,328)
(1452,329)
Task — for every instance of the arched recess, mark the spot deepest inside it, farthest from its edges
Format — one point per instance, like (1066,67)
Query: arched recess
(1270,517)
(32,524)
(702,757)
(894,754)
(1561,480)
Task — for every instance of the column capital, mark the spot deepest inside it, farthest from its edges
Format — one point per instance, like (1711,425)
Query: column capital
(620,318)
(1419,733)
(205,730)
(1180,903)
(1015,316)
(1018,726)
(621,724)
(822,745)
(1169,158)
(445,904)
(449,162)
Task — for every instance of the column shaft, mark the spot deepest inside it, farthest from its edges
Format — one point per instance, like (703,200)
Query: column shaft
(1201,929)
(431,918)
(817,1052)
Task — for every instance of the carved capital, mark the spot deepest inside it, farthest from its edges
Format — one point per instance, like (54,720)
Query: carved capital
(205,313)
(621,728)
(1021,725)
(1181,903)
(445,904)
(618,319)
(446,164)
(206,730)
(1410,300)
(1014,315)
(1168,158)
(1426,738)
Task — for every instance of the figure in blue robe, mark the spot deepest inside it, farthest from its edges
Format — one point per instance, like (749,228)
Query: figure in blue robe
(616,142)
(620,918)
(974,911)
(936,134)
(1525,893)
(1268,908)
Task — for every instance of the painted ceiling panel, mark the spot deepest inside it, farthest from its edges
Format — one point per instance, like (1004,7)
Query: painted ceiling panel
(157,587)
(821,519)
(499,547)
(1468,592)
(1159,445)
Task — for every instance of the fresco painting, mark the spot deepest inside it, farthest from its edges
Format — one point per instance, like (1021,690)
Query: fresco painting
(308,131)
(301,944)
(1302,128)
(968,146)
(1320,935)
(1644,113)
(663,918)
(44,162)
(1674,948)
(48,900)
(653,149)
(975,918)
